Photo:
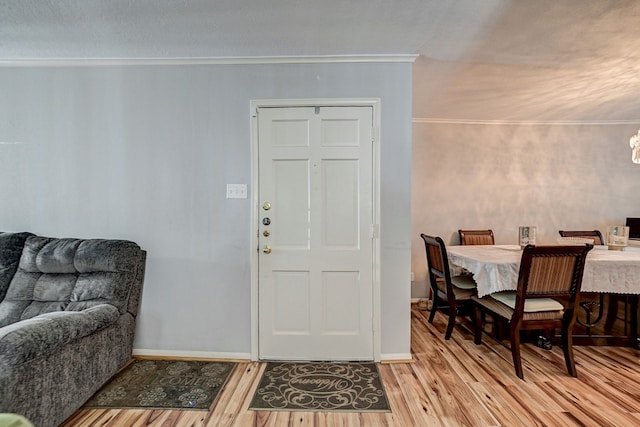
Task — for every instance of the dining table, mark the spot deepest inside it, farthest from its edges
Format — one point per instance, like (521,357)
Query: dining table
(495,268)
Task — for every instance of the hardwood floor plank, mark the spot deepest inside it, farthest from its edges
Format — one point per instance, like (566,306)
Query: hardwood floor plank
(571,405)
(504,407)
(397,400)
(302,418)
(232,407)
(421,409)
(448,383)
(451,397)
(559,419)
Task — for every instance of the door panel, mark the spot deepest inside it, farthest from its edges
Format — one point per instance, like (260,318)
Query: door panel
(340,288)
(316,251)
(340,204)
(340,132)
(291,291)
(291,189)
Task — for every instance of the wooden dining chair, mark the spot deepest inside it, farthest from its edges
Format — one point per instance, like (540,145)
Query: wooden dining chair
(594,235)
(476,237)
(593,305)
(547,274)
(452,292)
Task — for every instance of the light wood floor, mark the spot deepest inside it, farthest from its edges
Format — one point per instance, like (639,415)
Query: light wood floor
(449,383)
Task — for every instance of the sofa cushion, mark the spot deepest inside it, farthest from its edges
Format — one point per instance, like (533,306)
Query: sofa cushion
(38,336)
(11,245)
(107,270)
(70,274)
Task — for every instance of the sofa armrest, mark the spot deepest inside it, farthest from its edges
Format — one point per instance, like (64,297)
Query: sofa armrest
(31,338)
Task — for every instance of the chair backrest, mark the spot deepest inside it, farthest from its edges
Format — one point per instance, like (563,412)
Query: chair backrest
(551,271)
(476,237)
(594,235)
(437,262)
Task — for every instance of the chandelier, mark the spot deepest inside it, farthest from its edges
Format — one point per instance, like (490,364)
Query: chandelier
(634,142)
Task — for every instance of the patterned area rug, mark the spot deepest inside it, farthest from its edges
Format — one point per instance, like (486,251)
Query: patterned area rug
(164,384)
(320,386)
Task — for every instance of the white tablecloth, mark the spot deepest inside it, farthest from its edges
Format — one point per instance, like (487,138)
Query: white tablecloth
(495,268)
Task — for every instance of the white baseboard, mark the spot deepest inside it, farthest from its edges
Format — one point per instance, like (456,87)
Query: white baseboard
(143,352)
(395,357)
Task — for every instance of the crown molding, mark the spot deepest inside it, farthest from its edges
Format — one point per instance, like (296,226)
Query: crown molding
(250,60)
(416,120)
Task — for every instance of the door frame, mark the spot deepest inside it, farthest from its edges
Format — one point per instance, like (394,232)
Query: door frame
(374,103)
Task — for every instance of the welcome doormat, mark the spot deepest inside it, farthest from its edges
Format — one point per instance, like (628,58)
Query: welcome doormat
(164,384)
(320,386)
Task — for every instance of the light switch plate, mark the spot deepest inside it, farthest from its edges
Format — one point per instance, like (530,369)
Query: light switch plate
(236,191)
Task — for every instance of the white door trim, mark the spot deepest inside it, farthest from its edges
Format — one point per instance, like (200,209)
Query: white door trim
(255,208)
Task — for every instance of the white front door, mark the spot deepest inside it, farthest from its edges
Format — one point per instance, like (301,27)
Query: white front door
(315,234)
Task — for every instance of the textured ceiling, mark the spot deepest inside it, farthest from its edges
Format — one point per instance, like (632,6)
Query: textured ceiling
(480,59)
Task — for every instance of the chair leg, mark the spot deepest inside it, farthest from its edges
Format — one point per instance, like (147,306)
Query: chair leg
(567,348)
(498,330)
(612,313)
(452,321)
(434,307)
(477,330)
(514,337)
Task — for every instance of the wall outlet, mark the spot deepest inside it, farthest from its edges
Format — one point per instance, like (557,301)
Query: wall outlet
(236,191)
(413,277)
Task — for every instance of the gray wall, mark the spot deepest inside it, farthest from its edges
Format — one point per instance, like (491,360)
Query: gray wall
(145,152)
(500,176)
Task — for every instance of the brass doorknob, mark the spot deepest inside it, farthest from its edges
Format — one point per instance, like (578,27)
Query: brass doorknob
(266,206)
(267,249)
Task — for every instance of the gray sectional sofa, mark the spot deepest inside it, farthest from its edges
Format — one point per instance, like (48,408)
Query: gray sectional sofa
(67,319)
